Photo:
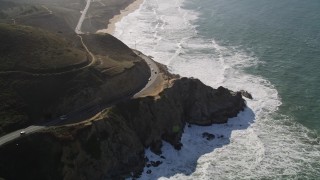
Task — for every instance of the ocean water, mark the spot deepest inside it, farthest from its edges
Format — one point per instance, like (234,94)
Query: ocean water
(268,48)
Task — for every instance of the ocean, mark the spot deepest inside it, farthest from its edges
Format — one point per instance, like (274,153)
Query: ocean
(268,48)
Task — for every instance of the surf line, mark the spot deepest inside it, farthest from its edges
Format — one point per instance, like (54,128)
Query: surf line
(82,17)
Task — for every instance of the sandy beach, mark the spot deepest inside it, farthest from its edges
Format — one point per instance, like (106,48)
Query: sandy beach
(129,9)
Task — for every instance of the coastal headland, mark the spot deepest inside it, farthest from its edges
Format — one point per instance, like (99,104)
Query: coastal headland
(87,104)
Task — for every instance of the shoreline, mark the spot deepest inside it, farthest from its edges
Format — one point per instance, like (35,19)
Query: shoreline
(112,22)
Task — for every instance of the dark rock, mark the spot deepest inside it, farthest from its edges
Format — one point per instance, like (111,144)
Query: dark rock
(136,175)
(124,132)
(220,136)
(246,94)
(156,163)
(208,136)
(178,146)
(155,147)
(153,163)
(162,157)
(187,101)
(149,171)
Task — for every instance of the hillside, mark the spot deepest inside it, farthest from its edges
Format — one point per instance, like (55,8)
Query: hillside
(44,76)
(86,106)
(30,49)
(111,145)
(60,16)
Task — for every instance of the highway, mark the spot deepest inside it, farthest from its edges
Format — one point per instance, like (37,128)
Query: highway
(78,31)
(89,110)
(92,62)
(93,109)
(46,8)
(82,18)
(16,134)
(153,69)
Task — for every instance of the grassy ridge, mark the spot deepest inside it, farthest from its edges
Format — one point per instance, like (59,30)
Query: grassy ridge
(27,99)
(114,56)
(34,99)
(27,48)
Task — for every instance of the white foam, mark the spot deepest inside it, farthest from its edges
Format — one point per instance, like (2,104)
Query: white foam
(259,143)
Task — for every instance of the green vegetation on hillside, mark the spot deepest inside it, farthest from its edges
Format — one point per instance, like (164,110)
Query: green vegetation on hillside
(57,16)
(113,55)
(23,10)
(44,75)
(31,49)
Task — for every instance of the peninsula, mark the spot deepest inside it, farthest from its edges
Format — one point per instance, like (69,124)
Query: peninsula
(76,104)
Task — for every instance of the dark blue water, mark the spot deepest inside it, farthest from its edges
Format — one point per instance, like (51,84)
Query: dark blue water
(284,35)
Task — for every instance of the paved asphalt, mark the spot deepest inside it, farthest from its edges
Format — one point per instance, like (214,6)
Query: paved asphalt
(154,74)
(154,71)
(82,17)
(16,134)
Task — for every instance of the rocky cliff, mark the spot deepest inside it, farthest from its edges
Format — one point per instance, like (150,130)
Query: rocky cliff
(188,100)
(43,75)
(111,145)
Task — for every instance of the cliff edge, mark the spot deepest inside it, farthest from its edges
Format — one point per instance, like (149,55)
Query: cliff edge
(44,75)
(111,145)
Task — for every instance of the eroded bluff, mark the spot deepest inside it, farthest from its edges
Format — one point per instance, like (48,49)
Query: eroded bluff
(111,146)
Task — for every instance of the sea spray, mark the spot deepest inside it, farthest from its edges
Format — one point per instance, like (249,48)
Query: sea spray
(259,143)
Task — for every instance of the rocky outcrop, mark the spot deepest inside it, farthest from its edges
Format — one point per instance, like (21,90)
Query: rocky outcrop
(103,149)
(112,145)
(188,100)
(246,94)
(31,98)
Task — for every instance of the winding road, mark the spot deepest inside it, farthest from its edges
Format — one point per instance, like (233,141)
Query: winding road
(46,8)
(82,18)
(93,58)
(153,69)
(89,111)
(92,62)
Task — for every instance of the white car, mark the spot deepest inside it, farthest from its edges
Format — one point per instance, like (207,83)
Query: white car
(22,132)
(63,117)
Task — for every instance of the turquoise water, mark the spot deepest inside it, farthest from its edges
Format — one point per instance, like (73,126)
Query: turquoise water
(285,37)
(269,48)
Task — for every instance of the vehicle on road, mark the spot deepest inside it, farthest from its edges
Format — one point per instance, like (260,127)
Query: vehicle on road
(149,79)
(63,117)
(22,132)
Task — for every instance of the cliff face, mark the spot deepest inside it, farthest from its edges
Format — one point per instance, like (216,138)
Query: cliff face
(99,150)
(188,100)
(44,76)
(113,143)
